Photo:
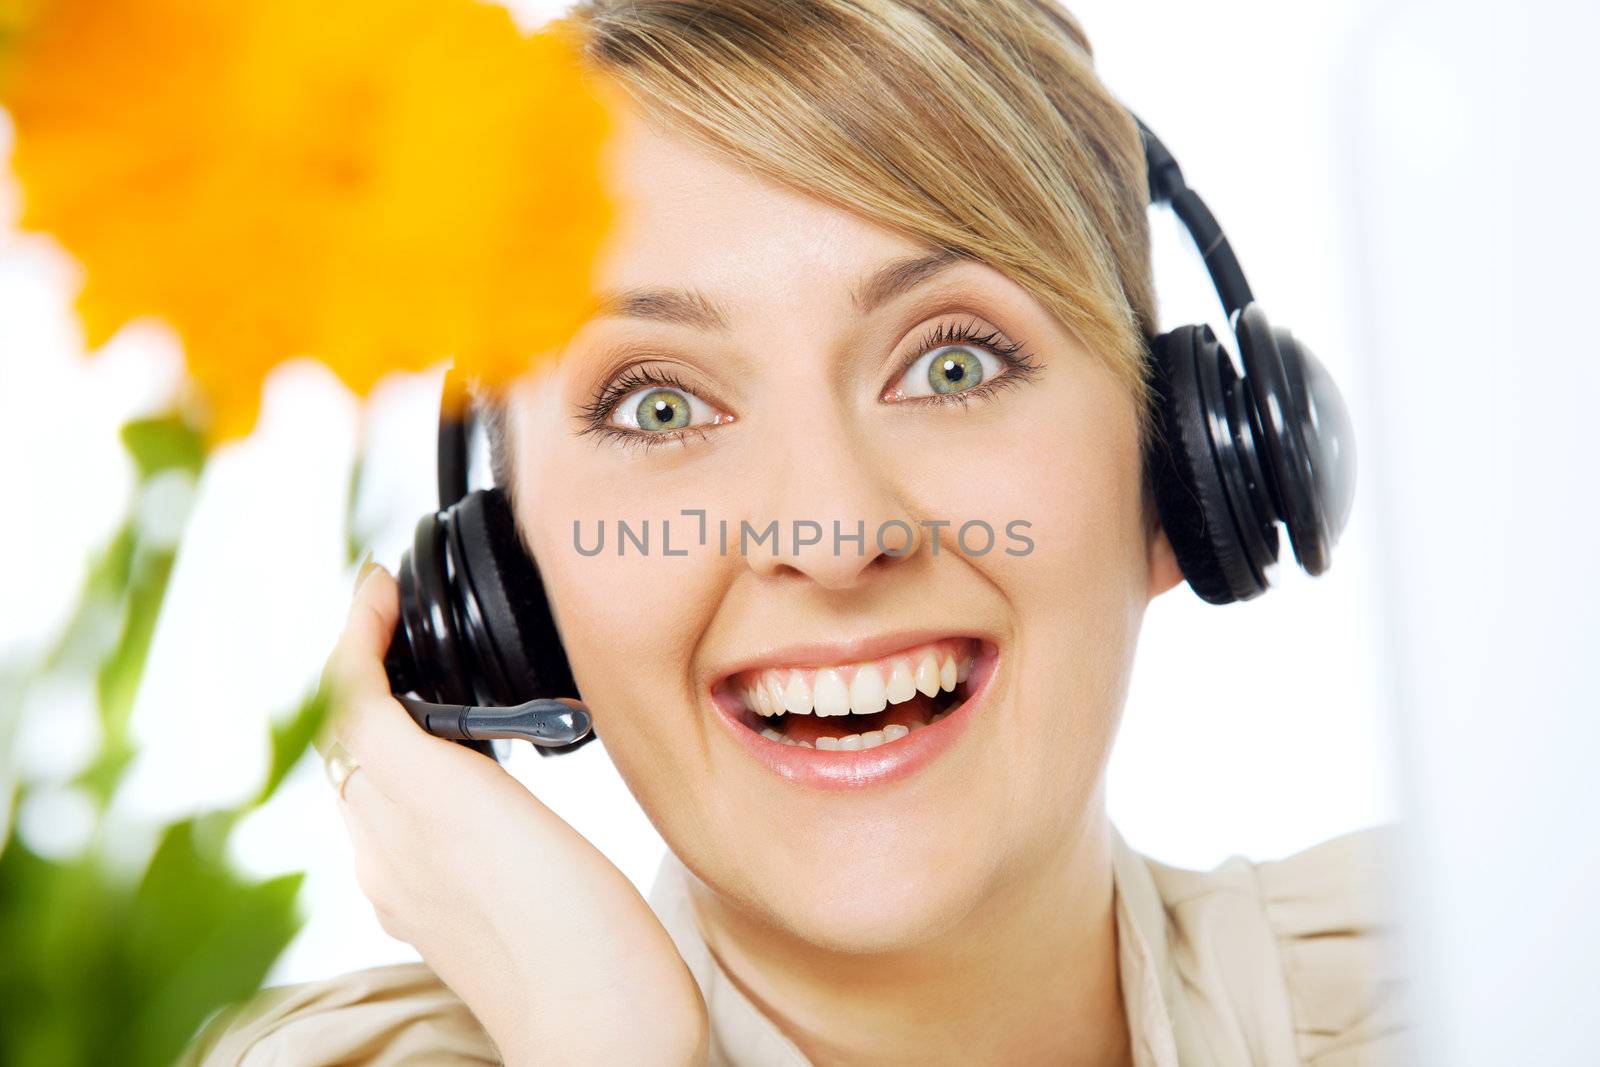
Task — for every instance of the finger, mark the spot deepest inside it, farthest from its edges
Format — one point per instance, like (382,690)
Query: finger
(361,798)
(368,721)
(357,659)
(368,853)
(340,680)
(329,684)
(373,727)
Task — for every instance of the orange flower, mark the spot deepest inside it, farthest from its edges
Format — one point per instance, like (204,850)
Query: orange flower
(379,184)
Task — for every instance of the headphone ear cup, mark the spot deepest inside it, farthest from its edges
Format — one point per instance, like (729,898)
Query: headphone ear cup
(426,654)
(504,604)
(1186,475)
(1308,447)
(429,653)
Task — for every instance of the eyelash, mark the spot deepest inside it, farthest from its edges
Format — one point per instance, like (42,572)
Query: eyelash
(1020,367)
(597,411)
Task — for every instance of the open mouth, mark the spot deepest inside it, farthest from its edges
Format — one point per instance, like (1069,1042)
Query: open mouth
(855,706)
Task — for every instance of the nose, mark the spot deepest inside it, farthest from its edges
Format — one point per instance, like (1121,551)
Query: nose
(833,499)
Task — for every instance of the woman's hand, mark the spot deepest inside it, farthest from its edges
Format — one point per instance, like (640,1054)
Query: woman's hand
(551,947)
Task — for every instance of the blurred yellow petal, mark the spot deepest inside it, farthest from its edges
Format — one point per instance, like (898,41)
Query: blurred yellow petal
(377,185)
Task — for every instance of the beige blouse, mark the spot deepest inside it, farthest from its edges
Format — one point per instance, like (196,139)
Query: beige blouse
(1275,963)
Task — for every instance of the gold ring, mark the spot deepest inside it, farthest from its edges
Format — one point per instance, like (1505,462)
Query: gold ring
(339,765)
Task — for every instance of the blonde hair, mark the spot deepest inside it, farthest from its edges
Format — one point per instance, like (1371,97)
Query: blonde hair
(978,126)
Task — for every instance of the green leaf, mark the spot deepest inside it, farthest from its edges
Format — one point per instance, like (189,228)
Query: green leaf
(62,998)
(162,444)
(291,738)
(100,969)
(100,598)
(121,671)
(355,539)
(198,938)
(99,965)
(120,674)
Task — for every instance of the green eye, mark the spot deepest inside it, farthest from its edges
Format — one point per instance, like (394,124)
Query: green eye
(960,363)
(953,370)
(662,409)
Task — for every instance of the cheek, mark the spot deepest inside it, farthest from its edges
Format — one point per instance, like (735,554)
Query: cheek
(630,615)
(1081,598)
(629,620)
(1057,479)
(1082,504)
(1068,465)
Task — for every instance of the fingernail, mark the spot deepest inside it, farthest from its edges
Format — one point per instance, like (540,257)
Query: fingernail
(367,567)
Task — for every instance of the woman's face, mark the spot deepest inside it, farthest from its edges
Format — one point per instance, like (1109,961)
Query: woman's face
(800,388)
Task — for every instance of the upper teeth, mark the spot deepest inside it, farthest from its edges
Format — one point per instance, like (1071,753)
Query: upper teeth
(861,689)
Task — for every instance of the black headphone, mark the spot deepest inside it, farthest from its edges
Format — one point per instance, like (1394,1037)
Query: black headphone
(1235,457)
(1232,457)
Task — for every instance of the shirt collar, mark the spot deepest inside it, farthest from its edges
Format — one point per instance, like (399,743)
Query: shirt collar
(1149,984)
(741,1035)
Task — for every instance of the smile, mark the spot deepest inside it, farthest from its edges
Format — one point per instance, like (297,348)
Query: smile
(861,720)
(870,703)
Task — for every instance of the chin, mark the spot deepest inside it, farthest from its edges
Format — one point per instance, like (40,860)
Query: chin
(863,889)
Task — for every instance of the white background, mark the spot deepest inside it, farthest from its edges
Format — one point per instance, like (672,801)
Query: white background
(1409,187)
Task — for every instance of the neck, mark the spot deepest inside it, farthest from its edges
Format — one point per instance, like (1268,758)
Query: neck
(1029,977)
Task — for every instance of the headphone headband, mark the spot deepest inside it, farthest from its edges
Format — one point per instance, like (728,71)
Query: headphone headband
(1168,187)
(1166,184)
(455,435)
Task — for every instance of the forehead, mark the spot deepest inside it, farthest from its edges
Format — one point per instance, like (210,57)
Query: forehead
(689,217)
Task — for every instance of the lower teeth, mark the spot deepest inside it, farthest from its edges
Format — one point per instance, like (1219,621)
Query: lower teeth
(853,742)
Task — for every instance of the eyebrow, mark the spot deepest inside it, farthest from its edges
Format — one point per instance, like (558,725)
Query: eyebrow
(899,277)
(685,307)
(690,307)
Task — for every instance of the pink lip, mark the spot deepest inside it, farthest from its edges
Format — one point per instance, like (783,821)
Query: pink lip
(865,767)
(821,654)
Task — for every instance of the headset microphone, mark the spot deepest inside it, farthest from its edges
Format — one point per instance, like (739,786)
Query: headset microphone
(544,722)
(475,654)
